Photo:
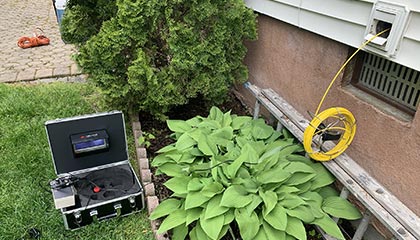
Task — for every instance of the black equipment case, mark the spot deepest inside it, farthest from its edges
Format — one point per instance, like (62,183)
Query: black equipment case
(95,180)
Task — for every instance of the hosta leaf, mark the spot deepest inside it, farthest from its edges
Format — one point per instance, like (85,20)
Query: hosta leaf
(329,226)
(192,215)
(312,196)
(195,199)
(250,185)
(248,224)
(224,230)
(187,157)
(258,147)
(256,201)
(212,189)
(260,130)
(275,136)
(180,232)
(241,141)
(200,166)
(212,226)
(178,126)
(164,208)
(206,146)
(267,162)
(272,233)
(300,178)
(303,212)
(295,228)
(214,208)
(174,219)
(227,119)
(224,133)
(194,185)
(194,152)
(216,114)
(292,148)
(184,142)
(327,191)
(201,235)
(244,174)
(277,218)
(178,184)
(276,175)
(209,124)
(222,177)
(248,154)
(289,237)
(161,159)
(315,209)
(195,121)
(240,121)
(287,189)
(233,168)
(323,177)
(235,197)
(341,208)
(166,149)
(261,235)
(294,167)
(304,187)
(174,155)
(299,158)
(172,169)
(229,216)
(291,201)
(270,200)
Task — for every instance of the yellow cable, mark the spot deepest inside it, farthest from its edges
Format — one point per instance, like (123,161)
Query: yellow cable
(343,66)
(344,115)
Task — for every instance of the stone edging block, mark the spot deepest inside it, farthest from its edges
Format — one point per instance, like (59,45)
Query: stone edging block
(152,200)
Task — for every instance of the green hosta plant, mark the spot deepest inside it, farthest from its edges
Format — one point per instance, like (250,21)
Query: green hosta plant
(227,168)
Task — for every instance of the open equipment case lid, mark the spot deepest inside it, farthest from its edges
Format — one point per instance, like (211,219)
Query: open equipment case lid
(88,141)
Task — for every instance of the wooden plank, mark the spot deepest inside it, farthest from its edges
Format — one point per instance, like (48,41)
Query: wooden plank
(295,123)
(391,203)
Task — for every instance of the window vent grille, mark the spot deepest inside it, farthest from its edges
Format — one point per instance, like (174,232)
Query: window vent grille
(391,80)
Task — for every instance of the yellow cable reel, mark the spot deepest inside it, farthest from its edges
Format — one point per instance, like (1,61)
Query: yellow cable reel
(343,125)
(336,123)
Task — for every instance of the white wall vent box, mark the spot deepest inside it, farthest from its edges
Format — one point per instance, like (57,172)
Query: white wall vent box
(390,16)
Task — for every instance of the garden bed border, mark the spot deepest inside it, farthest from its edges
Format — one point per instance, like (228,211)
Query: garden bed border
(152,200)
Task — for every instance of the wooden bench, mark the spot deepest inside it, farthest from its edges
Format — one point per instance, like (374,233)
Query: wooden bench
(390,211)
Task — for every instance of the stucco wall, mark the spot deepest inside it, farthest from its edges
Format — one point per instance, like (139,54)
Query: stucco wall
(299,65)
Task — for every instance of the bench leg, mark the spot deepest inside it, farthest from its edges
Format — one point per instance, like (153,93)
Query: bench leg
(257,109)
(363,225)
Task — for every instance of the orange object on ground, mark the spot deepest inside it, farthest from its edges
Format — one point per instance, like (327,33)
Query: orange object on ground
(36,40)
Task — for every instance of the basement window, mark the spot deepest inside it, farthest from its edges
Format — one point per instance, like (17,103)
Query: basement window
(389,81)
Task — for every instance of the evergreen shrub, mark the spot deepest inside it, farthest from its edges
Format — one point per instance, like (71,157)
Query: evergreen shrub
(157,54)
(84,18)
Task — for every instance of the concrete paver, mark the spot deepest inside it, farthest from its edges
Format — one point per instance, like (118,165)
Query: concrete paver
(20,18)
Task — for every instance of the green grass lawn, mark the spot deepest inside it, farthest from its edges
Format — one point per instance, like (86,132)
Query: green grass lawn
(25,161)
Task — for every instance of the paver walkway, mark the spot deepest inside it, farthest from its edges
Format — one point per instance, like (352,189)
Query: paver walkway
(20,18)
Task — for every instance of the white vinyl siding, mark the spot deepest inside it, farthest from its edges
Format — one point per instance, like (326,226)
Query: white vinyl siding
(344,21)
